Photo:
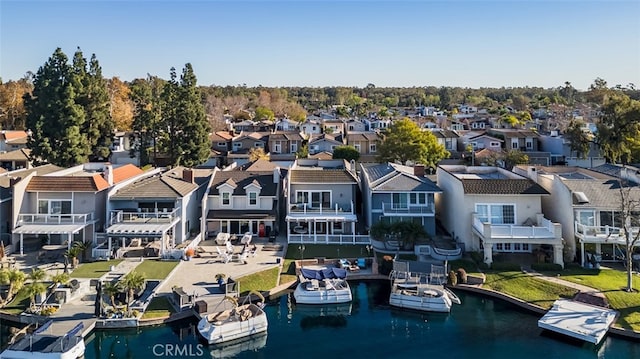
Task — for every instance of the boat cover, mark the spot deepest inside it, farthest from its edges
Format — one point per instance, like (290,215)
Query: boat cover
(43,327)
(327,273)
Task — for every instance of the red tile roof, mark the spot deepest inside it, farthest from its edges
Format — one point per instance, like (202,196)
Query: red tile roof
(93,183)
(12,135)
(125,172)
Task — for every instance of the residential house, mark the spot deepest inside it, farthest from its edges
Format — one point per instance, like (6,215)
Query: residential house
(284,146)
(588,206)
(525,141)
(12,140)
(561,153)
(16,159)
(395,193)
(492,210)
(242,144)
(251,126)
(373,124)
(287,124)
(61,207)
(355,125)
(333,126)
(159,210)
(447,138)
(243,201)
(324,143)
(366,143)
(311,127)
(320,201)
(221,145)
(482,141)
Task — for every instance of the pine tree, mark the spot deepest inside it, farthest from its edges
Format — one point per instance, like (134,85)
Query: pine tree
(145,95)
(54,117)
(99,126)
(170,123)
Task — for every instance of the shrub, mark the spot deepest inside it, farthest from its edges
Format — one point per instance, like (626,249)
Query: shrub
(505,266)
(467,264)
(462,276)
(135,313)
(483,266)
(453,279)
(47,311)
(541,267)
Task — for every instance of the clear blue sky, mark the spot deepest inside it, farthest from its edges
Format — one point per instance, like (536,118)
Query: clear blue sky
(335,43)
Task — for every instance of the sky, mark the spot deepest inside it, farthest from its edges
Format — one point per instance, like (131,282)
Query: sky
(473,44)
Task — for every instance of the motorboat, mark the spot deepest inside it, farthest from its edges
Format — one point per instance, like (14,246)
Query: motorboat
(322,286)
(241,320)
(420,291)
(39,345)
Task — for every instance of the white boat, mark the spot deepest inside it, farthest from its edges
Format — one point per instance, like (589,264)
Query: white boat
(326,286)
(240,321)
(39,345)
(421,292)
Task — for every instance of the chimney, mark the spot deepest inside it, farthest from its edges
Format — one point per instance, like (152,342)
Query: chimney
(276,175)
(187,175)
(532,173)
(418,170)
(108,173)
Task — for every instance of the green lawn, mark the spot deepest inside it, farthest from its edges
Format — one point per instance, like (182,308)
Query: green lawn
(158,308)
(527,288)
(260,281)
(327,250)
(19,304)
(156,269)
(94,269)
(611,282)
(288,271)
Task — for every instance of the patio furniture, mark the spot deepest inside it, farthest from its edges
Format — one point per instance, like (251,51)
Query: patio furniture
(222,238)
(246,239)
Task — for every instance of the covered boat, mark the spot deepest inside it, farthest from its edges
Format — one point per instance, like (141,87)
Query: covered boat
(421,291)
(239,321)
(323,286)
(40,345)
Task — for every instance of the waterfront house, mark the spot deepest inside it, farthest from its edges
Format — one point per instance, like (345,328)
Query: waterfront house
(320,200)
(492,210)
(61,207)
(588,206)
(243,201)
(158,211)
(394,193)
(16,159)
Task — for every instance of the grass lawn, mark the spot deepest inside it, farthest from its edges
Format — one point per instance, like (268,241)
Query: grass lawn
(611,282)
(334,251)
(19,304)
(288,271)
(527,288)
(155,269)
(260,281)
(94,269)
(158,308)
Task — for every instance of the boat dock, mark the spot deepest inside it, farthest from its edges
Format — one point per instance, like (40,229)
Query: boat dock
(578,320)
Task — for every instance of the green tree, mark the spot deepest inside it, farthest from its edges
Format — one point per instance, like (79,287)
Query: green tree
(257,153)
(132,282)
(15,279)
(33,289)
(60,278)
(112,289)
(346,152)
(405,141)
(303,151)
(147,111)
(579,139)
(515,157)
(619,129)
(264,113)
(54,117)
(37,275)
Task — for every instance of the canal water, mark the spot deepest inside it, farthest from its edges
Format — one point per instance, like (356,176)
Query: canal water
(368,328)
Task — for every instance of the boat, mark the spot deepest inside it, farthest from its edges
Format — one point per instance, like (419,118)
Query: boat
(421,291)
(224,325)
(323,286)
(39,345)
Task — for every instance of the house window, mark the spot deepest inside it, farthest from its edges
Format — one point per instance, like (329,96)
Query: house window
(494,144)
(253,198)
(222,144)
(237,146)
(54,207)
(529,144)
(314,199)
(357,147)
(418,198)
(313,128)
(337,227)
(399,200)
(514,144)
(226,198)
(351,128)
(372,148)
(474,144)
(258,144)
(277,147)
(294,147)
(496,213)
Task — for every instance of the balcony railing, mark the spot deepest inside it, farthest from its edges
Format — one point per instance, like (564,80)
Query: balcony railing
(329,239)
(334,209)
(605,234)
(544,229)
(395,208)
(72,218)
(143,217)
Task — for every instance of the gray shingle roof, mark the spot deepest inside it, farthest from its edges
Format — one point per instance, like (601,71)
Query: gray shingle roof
(322,176)
(165,185)
(601,193)
(391,177)
(502,186)
(242,179)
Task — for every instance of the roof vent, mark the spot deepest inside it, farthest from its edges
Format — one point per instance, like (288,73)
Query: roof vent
(580,198)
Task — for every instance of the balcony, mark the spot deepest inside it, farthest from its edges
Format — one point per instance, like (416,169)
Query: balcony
(53,219)
(143,217)
(602,234)
(544,229)
(397,209)
(304,208)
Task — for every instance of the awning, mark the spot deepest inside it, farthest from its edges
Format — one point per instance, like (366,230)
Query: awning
(307,218)
(139,229)
(48,228)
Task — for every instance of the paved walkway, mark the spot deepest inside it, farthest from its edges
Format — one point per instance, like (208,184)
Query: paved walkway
(557,280)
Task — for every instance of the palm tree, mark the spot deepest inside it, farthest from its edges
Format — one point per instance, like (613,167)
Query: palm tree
(33,289)
(15,279)
(60,278)
(112,289)
(132,282)
(37,275)
(82,247)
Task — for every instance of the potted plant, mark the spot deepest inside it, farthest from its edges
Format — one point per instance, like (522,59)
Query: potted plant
(220,278)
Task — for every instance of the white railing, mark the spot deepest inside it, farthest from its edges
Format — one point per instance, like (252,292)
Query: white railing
(72,218)
(100,253)
(143,217)
(306,208)
(545,230)
(329,239)
(394,208)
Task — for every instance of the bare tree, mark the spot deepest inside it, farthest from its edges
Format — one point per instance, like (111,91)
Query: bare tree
(629,208)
